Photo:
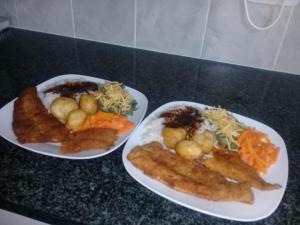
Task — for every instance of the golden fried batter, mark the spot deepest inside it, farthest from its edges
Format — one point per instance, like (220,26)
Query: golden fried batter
(230,165)
(93,138)
(31,121)
(187,176)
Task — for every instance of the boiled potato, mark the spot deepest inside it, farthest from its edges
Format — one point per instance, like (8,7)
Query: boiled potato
(188,149)
(171,136)
(88,104)
(205,140)
(62,106)
(75,119)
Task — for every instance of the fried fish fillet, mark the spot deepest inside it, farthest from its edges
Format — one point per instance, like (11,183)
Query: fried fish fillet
(230,165)
(89,139)
(187,176)
(31,121)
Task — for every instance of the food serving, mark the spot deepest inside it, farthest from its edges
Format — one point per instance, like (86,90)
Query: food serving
(75,114)
(206,152)
(43,96)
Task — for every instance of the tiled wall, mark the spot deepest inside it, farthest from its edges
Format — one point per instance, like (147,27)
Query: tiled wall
(209,29)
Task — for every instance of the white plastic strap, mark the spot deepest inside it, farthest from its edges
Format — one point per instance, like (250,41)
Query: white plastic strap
(266,27)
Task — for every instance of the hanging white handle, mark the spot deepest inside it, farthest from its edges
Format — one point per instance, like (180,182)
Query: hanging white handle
(266,27)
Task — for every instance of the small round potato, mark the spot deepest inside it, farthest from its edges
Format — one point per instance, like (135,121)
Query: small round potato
(88,104)
(75,119)
(188,149)
(171,136)
(62,106)
(205,140)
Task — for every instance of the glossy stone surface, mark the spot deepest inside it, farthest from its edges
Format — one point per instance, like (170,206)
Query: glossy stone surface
(99,191)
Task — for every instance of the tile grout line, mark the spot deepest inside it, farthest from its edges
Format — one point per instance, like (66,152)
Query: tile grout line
(134,23)
(205,28)
(73,20)
(282,39)
(17,12)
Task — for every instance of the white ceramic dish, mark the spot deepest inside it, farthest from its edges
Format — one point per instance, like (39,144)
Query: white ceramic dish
(52,149)
(265,203)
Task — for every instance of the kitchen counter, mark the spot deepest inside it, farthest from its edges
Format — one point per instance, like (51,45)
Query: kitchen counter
(100,191)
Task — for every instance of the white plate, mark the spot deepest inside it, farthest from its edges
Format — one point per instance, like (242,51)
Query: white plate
(52,149)
(265,201)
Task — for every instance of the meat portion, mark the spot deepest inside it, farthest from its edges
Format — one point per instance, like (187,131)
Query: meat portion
(94,138)
(187,176)
(31,121)
(230,165)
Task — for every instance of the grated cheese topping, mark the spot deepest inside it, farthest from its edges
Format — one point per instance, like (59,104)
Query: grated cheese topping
(112,97)
(228,128)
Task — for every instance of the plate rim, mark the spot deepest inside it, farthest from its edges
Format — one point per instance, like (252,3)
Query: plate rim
(128,164)
(73,156)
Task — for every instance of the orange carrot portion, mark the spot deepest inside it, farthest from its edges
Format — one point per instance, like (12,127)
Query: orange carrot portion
(257,150)
(106,120)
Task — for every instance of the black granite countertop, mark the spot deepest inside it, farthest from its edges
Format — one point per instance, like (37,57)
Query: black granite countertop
(100,191)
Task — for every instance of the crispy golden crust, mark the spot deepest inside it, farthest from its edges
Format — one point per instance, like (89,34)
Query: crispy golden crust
(230,165)
(32,124)
(187,176)
(31,121)
(94,138)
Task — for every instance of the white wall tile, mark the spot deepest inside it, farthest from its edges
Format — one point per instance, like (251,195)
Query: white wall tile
(51,16)
(230,38)
(289,57)
(171,26)
(110,21)
(8,9)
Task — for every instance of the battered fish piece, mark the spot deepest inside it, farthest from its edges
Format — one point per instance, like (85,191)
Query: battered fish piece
(31,121)
(32,124)
(93,138)
(230,165)
(187,176)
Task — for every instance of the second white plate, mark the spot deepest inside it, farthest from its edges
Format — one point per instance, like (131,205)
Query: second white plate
(265,203)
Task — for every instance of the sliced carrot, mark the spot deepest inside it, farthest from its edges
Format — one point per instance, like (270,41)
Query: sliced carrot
(106,120)
(257,150)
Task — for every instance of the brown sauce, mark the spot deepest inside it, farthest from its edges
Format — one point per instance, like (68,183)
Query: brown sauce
(188,118)
(69,89)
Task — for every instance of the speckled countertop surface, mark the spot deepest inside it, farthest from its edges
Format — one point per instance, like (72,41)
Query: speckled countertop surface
(99,191)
